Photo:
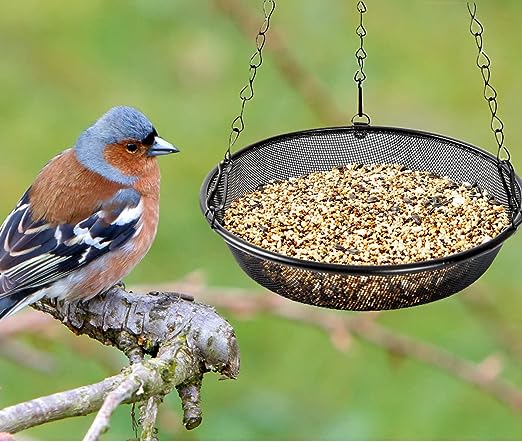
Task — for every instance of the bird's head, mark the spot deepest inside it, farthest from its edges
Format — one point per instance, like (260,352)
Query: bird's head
(120,145)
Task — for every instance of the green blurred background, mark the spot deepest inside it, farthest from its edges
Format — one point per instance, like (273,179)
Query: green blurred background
(182,62)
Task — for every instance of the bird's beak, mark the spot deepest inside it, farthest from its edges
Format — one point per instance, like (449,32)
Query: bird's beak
(161,147)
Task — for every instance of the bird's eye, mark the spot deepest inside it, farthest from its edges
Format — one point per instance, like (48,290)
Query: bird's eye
(132,148)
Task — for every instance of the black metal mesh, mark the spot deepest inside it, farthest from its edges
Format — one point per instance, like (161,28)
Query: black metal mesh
(381,288)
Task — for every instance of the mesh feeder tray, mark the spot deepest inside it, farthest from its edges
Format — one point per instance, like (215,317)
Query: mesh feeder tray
(359,287)
(362,287)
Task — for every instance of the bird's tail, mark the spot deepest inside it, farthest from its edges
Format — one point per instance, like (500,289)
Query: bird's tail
(13,302)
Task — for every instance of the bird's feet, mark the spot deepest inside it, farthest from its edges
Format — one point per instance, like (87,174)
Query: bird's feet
(119,285)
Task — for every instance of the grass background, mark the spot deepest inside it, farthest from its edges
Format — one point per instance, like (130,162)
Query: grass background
(182,63)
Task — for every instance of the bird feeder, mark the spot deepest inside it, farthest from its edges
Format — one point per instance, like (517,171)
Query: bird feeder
(298,154)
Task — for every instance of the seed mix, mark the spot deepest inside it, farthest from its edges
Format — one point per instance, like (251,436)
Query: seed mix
(376,214)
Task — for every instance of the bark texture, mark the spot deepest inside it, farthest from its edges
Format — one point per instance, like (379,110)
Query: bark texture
(184,340)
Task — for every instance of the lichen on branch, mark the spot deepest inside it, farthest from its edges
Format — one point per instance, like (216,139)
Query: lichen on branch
(184,340)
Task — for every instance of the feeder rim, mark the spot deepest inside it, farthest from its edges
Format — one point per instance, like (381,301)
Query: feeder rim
(389,269)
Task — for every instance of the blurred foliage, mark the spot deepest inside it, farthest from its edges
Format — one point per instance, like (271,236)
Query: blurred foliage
(183,63)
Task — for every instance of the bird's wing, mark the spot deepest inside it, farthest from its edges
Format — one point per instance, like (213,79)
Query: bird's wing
(34,254)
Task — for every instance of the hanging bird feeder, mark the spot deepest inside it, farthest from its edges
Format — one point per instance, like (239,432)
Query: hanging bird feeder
(259,178)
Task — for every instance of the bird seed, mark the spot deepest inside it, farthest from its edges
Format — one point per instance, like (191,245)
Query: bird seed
(377,214)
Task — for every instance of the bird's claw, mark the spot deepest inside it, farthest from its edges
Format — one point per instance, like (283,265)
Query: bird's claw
(119,285)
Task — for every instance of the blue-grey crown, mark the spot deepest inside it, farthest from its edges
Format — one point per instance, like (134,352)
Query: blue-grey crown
(119,123)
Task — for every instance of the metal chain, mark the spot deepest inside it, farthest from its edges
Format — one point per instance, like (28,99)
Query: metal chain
(238,124)
(360,117)
(247,93)
(497,126)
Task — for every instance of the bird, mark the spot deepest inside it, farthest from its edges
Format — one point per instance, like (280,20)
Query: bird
(89,217)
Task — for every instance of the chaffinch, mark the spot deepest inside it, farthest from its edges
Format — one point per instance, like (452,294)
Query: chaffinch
(89,217)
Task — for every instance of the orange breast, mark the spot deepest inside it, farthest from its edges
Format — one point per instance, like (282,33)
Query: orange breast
(66,192)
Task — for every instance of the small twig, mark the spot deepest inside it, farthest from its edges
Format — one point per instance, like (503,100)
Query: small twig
(116,397)
(190,395)
(149,414)
(77,402)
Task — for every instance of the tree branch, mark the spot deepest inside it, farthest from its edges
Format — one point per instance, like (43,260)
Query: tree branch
(121,393)
(366,329)
(78,402)
(341,327)
(185,340)
(148,418)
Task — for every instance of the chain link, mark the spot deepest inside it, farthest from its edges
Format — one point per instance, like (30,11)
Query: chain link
(360,117)
(490,94)
(506,171)
(247,93)
(238,124)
